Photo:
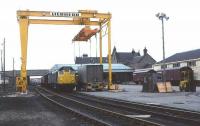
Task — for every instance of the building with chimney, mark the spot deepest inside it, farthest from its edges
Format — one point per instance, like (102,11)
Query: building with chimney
(89,60)
(133,59)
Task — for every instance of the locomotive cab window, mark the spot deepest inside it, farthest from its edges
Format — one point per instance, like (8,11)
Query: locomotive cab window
(60,72)
(65,71)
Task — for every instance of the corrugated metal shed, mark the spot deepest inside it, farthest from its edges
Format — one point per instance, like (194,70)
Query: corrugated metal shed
(117,68)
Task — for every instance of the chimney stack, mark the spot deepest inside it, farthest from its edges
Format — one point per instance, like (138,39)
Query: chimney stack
(145,51)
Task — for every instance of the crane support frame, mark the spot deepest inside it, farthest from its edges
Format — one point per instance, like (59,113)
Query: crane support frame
(82,17)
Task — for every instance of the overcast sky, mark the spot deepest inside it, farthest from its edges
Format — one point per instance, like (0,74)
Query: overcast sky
(134,26)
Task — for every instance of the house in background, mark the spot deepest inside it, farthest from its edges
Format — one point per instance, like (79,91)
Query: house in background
(89,60)
(178,60)
(133,59)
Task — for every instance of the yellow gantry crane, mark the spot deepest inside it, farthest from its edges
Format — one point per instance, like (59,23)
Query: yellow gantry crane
(82,17)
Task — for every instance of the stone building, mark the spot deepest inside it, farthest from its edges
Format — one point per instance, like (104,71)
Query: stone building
(133,59)
(178,60)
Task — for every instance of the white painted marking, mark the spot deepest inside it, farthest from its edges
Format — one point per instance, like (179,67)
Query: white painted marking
(139,116)
(151,103)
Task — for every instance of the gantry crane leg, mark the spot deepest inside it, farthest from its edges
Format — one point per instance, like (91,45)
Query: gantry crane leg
(100,43)
(23,23)
(109,54)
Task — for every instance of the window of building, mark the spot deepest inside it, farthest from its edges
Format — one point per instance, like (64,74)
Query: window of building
(191,63)
(176,65)
(163,66)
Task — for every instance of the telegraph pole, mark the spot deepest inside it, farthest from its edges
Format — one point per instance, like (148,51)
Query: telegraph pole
(13,72)
(4,66)
(1,68)
(1,60)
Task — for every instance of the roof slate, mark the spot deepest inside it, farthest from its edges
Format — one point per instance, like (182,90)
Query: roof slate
(124,57)
(193,54)
(137,59)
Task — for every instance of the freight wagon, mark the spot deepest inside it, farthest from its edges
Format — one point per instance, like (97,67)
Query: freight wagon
(44,80)
(182,77)
(90,77)
(171,75)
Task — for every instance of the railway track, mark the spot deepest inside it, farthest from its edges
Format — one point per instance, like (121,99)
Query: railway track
(93,114)
(160,114)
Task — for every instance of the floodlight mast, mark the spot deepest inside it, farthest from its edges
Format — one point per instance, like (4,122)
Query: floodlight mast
(162,16)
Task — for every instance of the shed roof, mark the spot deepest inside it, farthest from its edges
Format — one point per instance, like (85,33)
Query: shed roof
(115,67)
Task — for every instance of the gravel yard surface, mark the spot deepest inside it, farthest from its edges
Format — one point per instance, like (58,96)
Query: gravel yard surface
(32,110)
(185,100)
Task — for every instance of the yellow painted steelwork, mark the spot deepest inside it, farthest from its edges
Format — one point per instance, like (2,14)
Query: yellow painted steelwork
(17,80)
(23,23)
(109,54)
(185,82)
(82,17)
(100,43)
(66,77)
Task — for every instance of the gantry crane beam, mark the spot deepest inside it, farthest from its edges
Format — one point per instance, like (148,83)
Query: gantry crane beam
(82,17)
(80,14)
(63,22)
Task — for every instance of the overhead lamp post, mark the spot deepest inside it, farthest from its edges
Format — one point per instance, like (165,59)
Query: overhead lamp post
(1,68)
(162,16)
(3,64)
